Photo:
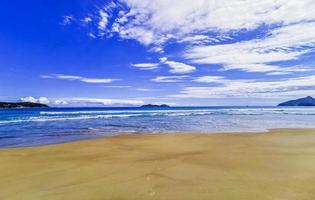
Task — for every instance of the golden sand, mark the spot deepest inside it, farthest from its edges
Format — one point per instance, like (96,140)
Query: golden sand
(279,165)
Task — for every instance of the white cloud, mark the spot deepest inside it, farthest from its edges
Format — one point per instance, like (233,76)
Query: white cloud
(97,80)
(87,20)
(116,86)
(158,49)
(176,67)
(147,90)
(61,76)
(103,20)
(60,102)
(226,88)
(283,44)
(92,35)
(180,68)
(29,99)
(204,39)
(202,23)
(106,102)
(163,59)
(80,101)
(195,39)
(146,66)
(103,16)
(144,36)
(156,21)
(169,79)
(209,79)
(67,20)
(42,100)
(79,78)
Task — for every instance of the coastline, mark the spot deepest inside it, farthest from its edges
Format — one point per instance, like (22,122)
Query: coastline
(279,164)
(60,125)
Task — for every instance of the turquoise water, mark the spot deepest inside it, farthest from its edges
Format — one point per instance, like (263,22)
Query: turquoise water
(32,127)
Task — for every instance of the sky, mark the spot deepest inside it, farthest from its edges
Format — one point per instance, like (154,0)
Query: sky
(178,52)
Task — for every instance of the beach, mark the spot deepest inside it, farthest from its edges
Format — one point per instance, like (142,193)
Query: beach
(157,99)
(276,165)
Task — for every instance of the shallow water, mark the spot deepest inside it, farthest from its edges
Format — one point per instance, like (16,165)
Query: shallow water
(31,127)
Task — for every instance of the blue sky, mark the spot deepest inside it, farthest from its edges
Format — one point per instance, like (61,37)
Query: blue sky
(131,52)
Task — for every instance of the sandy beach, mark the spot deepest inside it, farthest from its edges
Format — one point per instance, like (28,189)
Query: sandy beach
(279,165)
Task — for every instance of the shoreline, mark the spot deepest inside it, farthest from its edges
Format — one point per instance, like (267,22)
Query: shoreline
(266,131)
(278,164)
(41,127)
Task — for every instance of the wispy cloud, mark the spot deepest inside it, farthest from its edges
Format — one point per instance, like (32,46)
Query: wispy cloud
(67,20)
(78,78)
(158,21)
(59,102)
(116,86)
(227,88)
(82,101)
(203,25)
(146,66)
(251,36)
(169,79)
(283,44)
(103,21)
(87,20)
(175,67)
(103,18)
(106,102)
(147,90)
(180,68)
(210,79)
(43,100)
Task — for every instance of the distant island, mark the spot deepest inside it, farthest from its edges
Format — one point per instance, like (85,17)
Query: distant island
(22,105)
(307,101)
(155,106)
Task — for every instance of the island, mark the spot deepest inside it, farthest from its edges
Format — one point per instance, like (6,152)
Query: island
(307,101)
(22,105)
(155,106)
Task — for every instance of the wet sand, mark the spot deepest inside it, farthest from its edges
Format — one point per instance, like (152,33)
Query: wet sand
(279,165)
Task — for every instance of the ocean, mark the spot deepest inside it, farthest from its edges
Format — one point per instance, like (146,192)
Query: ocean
(34,127)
